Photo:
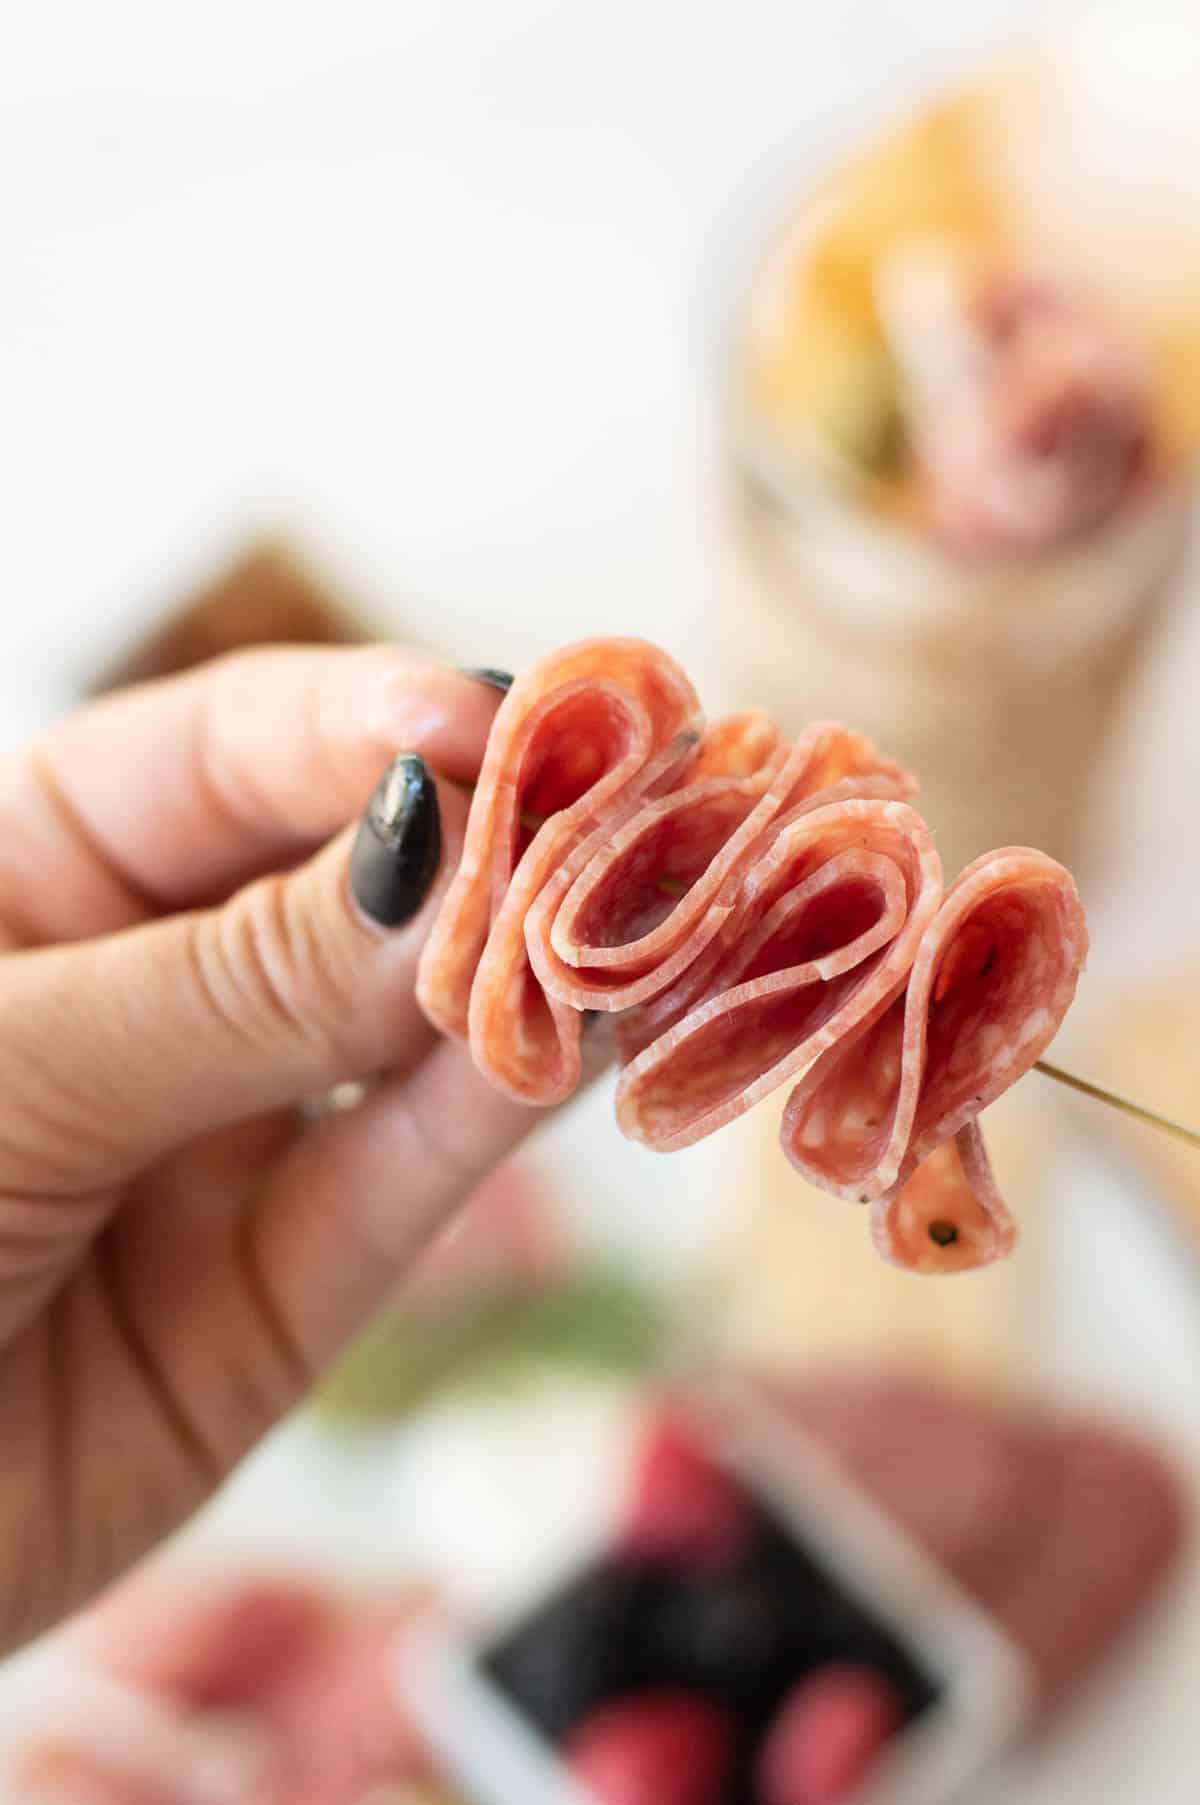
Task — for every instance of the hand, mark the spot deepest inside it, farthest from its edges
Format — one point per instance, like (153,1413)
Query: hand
(265,1692)
(180,967)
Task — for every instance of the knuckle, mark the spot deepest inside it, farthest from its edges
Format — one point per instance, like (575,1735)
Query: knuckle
(61,1125)
(446,1166)
(273,967)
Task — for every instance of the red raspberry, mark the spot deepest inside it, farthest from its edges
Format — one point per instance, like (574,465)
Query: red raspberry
(653,1748)
(825,1735)
(683,1506)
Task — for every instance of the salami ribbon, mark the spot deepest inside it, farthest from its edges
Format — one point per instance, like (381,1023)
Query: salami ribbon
(752,912)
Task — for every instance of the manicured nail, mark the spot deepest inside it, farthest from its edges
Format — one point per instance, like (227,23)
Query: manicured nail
(399,842)
(501,680)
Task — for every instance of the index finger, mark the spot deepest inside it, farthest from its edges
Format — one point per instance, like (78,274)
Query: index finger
(180,790)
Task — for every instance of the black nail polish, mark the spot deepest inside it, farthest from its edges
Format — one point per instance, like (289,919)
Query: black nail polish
(501,680)
(399,842)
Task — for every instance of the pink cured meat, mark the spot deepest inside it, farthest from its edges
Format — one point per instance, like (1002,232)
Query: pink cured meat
(831,915)
(650,898)
(752,913)
(584,732)
(1064,1528)
(994,976)
(877,780)
(948,1216)
(1035,426)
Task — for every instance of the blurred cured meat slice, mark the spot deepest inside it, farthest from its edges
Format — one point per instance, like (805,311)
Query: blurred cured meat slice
(1028,409)
(1063,1527)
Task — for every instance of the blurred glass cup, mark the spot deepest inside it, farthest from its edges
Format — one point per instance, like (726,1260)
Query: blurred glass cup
(885,557)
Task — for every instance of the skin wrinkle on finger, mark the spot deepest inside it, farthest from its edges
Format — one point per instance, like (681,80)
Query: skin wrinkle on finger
(124,1387)
(124,1299)
(189,786)
(205,1371)
(216,1392)
(178,1346)
(35,1529)
(258,974)
(273,1006)
(296,1372)
(54,1142)
(58,1441)
(348,1260)
(365,706)
(278,965)
(74,1398)
(356,1201)
(205,1355)
(38,1241)
(195,1301)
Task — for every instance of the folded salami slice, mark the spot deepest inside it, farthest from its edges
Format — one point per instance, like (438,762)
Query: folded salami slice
(583,733)
(651,898)
(994,976)
(752,912)
(828,924)
(875,779)
(948,1216)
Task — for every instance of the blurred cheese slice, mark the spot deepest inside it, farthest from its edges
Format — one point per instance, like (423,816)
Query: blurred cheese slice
(816,363)
(1146,1048)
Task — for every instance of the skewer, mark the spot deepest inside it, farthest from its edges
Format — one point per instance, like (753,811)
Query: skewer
(1126,1105)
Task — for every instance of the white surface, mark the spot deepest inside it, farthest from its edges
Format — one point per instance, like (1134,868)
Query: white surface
(434,283)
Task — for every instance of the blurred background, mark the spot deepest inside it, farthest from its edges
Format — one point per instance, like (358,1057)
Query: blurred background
(854,355)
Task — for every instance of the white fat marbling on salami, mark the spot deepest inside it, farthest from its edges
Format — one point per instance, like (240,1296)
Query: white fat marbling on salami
(752,912)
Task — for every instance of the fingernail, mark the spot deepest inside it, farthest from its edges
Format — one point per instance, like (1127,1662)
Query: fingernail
(501,680)
(399,842)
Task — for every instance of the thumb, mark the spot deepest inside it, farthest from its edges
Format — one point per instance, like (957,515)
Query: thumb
(115,1050)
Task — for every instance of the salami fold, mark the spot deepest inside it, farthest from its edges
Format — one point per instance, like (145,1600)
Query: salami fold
(751,912)
(651,898)
(583,735)
(995,974)
(829,920)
